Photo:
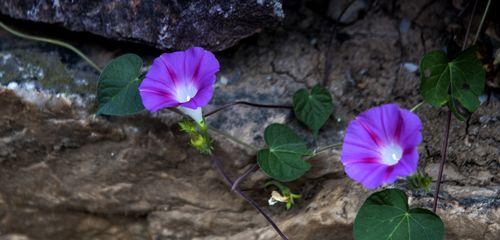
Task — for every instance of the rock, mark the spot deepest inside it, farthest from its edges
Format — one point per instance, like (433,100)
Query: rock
(68,174)
(346,11)
(14,237)
(325,163)
(214,24)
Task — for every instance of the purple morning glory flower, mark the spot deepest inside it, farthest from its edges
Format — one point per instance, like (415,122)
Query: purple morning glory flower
(380,145)
(183,79)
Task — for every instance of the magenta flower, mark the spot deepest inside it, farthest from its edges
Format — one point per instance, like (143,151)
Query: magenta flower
(183,79)
(380,145)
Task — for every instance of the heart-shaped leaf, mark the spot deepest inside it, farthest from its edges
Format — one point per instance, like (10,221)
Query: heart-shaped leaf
(461,79)
(385,215)
(117,91)
(314,108)
(282,160)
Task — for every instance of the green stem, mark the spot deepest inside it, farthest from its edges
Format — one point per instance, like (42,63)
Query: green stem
(279,185)
(416,106)
(321,149)
(51,41)
(482,21)
(466,38)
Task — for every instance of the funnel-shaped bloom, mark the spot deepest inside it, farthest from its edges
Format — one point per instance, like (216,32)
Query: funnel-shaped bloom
(183,79)
(380,145)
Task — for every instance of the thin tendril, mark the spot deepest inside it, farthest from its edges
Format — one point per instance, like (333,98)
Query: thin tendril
(321,149)
(51,41)
(482,21)
(469,25)
(416,106)
(247,104)
(234,139)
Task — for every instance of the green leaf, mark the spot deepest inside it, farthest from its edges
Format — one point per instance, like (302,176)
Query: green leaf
(458,110)
(385,215)
(434,80)
(461,79)
(313,109)
(118,88)
(282,160)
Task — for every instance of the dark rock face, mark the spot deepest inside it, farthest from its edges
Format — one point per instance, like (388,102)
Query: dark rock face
(168,24)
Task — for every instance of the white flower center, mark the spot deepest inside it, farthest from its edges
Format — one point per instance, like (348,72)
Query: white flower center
(271,201)
(184,93)
(391,154)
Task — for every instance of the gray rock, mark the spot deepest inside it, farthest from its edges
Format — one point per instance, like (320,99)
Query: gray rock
(172,24)
(68,174)
(347,11)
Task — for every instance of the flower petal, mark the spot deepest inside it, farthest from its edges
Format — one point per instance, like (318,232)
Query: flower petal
(200,65)
(155,94)
(353,152)
(157,90)
(159,72)
(380,145)
(370,175)
(407,165)
(411,131)
(154,101)
(195,114)
(382,121)
(201,98)
(173,67)
(184,78)
(358,133)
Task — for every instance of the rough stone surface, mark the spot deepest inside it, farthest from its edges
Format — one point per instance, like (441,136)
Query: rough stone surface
(170,24)
(68,174)
(345,11)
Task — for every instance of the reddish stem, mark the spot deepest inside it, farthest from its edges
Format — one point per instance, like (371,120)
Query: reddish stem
(220,169)
(444,152)
(444,149)
(237,182)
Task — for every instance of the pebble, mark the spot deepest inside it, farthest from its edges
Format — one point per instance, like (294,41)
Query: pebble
(410,67)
